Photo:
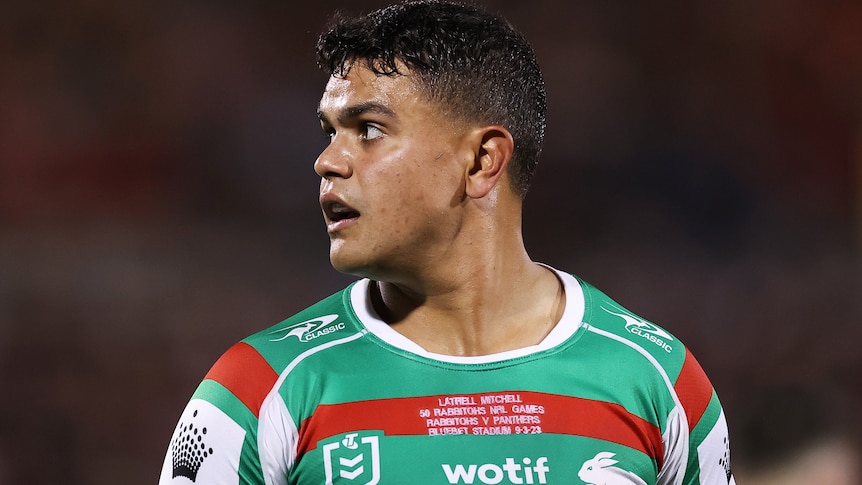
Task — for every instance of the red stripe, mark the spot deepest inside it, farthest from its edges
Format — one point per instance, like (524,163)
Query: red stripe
(560,415)
(694,389)
(245,373)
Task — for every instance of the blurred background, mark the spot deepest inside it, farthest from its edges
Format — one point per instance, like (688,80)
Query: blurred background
(703,166)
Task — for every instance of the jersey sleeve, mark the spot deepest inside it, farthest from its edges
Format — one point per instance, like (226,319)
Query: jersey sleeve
(708,460)
(215,441)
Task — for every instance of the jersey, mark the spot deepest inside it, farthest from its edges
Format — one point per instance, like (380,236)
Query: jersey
(334,395)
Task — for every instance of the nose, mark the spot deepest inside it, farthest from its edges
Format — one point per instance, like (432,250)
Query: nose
(334,161)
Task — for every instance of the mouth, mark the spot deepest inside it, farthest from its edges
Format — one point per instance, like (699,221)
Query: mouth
(337,213)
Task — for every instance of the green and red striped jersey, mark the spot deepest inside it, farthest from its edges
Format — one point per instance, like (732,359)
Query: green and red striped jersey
(333,395)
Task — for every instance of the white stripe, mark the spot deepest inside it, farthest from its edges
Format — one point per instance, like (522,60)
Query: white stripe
(675,444)
(277,434)
(308,353)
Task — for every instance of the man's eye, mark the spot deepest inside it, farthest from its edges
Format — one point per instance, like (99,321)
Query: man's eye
(329,133)
(372,132)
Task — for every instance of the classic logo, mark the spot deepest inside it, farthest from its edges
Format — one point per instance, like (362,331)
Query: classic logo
(600,470)
(310,329)
(353,459)
(645,329)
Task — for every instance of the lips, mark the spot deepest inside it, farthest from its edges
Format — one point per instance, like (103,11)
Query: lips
(337,213)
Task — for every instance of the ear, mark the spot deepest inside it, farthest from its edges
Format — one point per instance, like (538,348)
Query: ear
(493,148)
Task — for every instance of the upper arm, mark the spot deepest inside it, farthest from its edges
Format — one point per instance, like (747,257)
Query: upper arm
(215,441)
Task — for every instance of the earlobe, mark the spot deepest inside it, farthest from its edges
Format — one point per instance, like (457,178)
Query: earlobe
(494,148)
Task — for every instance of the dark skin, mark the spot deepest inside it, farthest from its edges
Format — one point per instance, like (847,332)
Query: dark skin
(420,202)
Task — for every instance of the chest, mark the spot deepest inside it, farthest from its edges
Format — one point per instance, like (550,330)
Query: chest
(391,421)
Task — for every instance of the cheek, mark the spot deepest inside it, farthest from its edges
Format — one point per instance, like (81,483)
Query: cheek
(409,193)
(403,213)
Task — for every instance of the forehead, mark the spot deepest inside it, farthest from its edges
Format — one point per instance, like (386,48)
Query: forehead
(361,86)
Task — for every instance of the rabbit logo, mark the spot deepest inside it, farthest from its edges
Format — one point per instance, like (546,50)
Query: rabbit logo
(600,470)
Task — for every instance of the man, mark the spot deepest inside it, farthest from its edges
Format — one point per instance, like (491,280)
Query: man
(456,358)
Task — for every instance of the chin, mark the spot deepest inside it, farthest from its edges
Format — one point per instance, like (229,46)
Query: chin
(363,262)
(351,265)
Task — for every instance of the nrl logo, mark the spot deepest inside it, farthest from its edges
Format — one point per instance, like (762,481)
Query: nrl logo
(352,459)
(310,329)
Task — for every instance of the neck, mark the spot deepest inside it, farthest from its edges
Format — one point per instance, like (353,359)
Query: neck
(490,300)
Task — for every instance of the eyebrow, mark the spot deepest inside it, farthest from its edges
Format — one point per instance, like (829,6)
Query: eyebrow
(355,111)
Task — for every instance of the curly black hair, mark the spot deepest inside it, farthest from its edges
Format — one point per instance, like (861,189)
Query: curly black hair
(471,61)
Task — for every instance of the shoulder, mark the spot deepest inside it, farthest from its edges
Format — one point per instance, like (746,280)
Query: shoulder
(250,368)
(605,317)
(661,351)
(227,405)
(326,320)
